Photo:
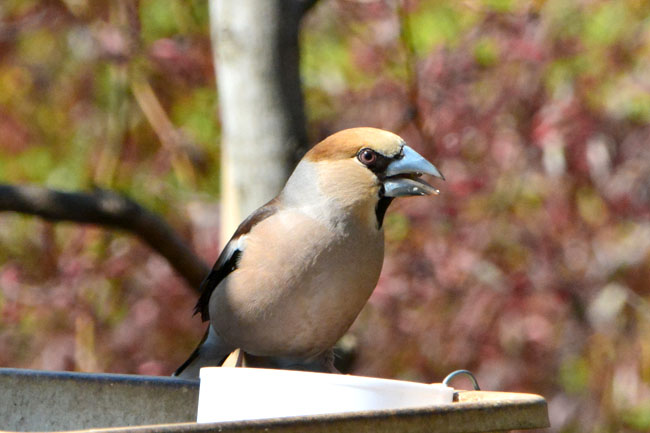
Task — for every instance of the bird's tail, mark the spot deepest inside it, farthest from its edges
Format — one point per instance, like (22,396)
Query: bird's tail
(210,352)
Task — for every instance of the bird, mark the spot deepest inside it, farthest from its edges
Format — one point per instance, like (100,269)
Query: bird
(298,270)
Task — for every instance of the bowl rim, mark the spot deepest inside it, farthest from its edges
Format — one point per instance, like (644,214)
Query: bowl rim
(308,378)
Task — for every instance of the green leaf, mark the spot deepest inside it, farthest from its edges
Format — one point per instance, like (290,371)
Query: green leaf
(574,375)
(607,24)
(486,52)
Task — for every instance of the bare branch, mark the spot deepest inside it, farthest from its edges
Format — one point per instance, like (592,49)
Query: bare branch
(106,208)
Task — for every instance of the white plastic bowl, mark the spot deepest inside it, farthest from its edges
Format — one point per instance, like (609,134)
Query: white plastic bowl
(231,394)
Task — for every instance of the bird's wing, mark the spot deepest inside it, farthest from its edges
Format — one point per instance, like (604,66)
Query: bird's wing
(229,258)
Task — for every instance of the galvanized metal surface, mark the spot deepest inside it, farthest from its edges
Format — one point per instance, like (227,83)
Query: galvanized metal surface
(45,401)
(52,401)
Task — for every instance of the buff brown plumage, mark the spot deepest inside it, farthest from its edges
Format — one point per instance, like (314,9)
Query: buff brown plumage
(298,271)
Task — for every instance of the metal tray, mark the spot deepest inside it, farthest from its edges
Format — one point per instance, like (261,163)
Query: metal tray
(62,401)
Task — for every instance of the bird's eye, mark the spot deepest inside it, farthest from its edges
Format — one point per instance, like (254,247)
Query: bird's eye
(367,156)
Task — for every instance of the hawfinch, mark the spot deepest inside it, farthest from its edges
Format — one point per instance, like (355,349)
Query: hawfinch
(298,271)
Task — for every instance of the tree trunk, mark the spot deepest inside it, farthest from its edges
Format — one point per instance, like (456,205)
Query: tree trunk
(255,49)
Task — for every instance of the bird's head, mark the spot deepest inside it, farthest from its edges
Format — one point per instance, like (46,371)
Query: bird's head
(366,168)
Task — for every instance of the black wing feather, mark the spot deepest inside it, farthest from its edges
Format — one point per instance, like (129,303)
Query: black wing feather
(229,258)
(224,265)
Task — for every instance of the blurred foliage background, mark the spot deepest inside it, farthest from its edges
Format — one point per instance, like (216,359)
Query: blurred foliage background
(532,268)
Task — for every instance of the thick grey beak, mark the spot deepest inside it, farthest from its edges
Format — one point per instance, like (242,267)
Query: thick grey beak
(402,175)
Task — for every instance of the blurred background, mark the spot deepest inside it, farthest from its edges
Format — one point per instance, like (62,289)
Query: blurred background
(532,268)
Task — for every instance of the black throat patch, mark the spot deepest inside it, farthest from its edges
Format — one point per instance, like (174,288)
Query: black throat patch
(380,209)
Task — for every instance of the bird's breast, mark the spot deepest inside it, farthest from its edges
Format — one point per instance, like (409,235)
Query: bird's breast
(300,284)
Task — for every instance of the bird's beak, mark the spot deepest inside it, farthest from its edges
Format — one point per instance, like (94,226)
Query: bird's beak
(402,176)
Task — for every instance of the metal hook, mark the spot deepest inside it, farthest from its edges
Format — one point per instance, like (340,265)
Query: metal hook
(465,372)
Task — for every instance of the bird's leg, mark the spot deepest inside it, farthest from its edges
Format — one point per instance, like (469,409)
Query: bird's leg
(235,359)
(327,359)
